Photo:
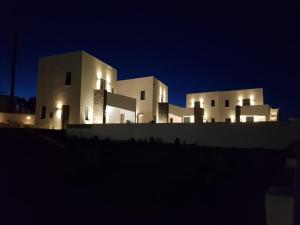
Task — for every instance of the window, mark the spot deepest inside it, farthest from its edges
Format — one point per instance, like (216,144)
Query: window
(228,120)
(212,103)
(213,120)
(86,113)
(226,103)
(171,120)
(246,101)
(186,119)
(68,78)
(142,95)
(51,115)
(43,115)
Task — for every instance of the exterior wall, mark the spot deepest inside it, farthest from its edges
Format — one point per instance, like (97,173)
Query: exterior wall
(219,111)
(52,91)
(92,71)
(240,135)
(17,118)
(176,119)
(160,94)
(121,101)
(132,88)
(113,115)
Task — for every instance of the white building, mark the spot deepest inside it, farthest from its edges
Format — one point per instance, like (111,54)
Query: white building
(77,88)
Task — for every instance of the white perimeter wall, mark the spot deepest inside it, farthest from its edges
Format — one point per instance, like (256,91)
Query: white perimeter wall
(28,119)
(260,135)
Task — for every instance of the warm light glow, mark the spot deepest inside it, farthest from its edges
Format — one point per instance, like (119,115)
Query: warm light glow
(232,117)
(205,117)
(28,117)
(99,76)
(252,102)
(201,103)
(240,101)
(256,118)
(59,109)
(98,82)
(108,79)
(59,105)
(58,113)
(192,102)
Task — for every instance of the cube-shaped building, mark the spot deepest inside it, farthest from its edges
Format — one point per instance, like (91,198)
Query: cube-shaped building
(77,88)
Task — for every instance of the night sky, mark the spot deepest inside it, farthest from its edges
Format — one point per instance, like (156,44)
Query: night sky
(189,45)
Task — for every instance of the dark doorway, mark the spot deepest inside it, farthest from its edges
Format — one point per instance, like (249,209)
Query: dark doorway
(65,116)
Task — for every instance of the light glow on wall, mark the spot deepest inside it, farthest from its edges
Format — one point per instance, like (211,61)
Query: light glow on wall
(201,103)
(28,117)
(108,79)
(192,103)
(240,101)
(99,76)
(205,117)
(98,84)
(59,110)
(252,102)
(232,118)
(256,118)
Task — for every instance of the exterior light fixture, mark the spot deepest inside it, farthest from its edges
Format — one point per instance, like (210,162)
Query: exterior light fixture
(28,117)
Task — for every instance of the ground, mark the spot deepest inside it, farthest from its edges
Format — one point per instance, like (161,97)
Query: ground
(48,178)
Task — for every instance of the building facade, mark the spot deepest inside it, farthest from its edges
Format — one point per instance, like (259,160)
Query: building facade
(77,88)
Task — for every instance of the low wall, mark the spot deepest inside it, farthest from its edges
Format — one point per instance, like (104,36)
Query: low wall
(240,135)
(17,119)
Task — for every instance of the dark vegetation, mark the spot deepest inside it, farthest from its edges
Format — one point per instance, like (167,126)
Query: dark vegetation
(134,182)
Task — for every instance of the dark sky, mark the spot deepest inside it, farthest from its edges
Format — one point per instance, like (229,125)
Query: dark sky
(192,46)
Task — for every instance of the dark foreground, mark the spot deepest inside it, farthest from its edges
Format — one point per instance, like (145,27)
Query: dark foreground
(104,182)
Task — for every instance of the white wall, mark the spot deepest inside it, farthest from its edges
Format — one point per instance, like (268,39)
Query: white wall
(92,70)
(26,119)
(113,115)
(219,111)
(51,89)
(176,119)
(258,135)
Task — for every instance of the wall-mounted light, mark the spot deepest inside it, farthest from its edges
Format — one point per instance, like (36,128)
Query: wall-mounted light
(28,117)
(99,76)
(58,110)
